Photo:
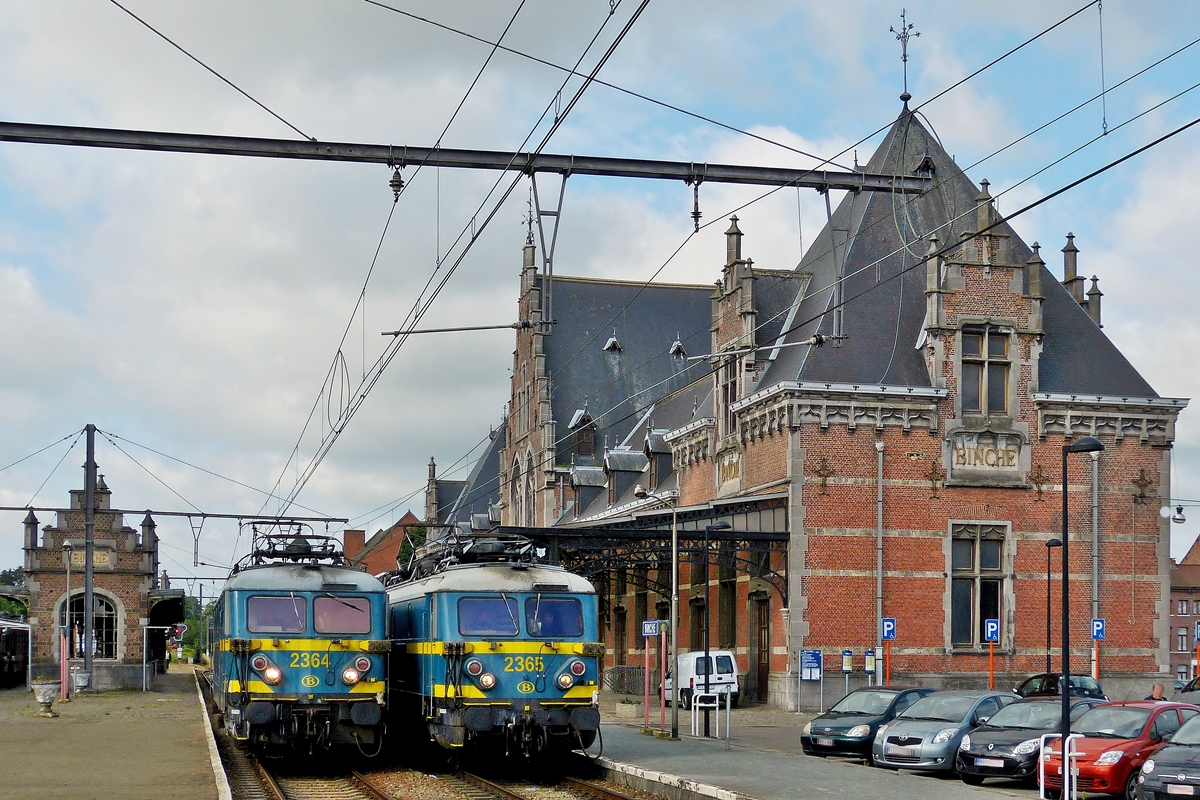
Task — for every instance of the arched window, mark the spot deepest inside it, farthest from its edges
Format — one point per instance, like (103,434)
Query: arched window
(104,621)
(529,494)
(514,493)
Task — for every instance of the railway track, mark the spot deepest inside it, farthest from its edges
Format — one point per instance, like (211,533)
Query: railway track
(355,786)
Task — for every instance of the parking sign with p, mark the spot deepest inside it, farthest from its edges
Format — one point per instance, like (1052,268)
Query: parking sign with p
(991,630)
(887,628)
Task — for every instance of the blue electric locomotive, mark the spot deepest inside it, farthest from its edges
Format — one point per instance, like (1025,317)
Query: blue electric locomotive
(300,647)
(493,650)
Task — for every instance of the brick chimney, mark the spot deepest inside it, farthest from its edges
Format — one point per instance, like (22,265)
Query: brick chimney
(353,542)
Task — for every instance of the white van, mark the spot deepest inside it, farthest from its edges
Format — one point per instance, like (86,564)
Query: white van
(723,680)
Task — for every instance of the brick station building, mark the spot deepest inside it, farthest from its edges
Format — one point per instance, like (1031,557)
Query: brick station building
(897,421)
(128,592)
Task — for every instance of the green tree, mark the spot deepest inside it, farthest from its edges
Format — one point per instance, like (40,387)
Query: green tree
(12,577)
(414,537)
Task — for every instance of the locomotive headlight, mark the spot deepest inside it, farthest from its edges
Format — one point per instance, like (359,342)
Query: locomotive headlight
(578,668)
(362,664)
(565,681)
(474,667)
(273,675)
(259,662)
(350,676)
(487,680)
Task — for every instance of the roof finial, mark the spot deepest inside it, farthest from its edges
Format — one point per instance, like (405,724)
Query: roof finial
(904,34)
(529,219)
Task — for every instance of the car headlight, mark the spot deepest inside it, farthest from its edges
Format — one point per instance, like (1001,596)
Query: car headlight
(881,730)
(1109,757)
(807,729)
(859,731)
(1027,747)
(944,735)
(965,744)
(1148,767)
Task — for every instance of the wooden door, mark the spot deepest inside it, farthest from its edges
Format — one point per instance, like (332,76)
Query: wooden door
(764,647)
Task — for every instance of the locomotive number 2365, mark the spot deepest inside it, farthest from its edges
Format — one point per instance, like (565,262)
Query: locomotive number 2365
(310,659)
(524,664)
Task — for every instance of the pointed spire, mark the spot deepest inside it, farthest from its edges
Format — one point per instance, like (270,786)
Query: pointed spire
(1071,277)
(733,242)
(983,205)
(1093,301)
(1035,264)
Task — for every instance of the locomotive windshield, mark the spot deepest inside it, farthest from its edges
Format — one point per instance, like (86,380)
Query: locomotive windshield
(553,616)
(276,614)
(342,614)
(487,616)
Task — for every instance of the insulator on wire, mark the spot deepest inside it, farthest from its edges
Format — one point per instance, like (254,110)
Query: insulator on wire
(397,183)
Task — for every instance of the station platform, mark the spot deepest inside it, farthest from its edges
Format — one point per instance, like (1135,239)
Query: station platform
(130,745)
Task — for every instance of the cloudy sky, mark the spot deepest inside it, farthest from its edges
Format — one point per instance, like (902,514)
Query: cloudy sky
(195,305)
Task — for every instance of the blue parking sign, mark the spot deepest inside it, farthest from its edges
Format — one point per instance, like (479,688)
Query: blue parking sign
(887,628)
(991,630)
(1098,629)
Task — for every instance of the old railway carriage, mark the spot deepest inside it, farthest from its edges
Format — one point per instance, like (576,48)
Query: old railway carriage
(300,647)
(493,650)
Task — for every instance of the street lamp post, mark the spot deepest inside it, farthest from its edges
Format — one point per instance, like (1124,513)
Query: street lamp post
(641,493)
(1084,444)
(708,667)
(1049,545)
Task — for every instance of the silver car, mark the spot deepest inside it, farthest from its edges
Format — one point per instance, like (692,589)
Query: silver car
(926,736)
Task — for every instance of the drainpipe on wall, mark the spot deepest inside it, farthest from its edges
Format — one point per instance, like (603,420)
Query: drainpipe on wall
(1095,555)
(878,555)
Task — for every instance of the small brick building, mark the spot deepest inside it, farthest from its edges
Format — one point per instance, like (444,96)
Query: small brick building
(128,592)
(1185,613)
(893,409)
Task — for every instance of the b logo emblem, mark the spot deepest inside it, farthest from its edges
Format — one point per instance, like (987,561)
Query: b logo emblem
(309,681)
(525,687)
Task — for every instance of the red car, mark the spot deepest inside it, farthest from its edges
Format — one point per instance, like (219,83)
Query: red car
(1117,740)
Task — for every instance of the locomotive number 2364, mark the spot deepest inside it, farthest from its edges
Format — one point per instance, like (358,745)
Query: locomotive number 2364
(310,659)
(524,664)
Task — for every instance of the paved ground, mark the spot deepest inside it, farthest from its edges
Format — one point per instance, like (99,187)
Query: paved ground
(765,761)
(115,746)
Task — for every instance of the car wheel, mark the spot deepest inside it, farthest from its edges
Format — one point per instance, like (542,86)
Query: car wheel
(687,699)
(1053,794)
(971,780)
(1131,787)
(734,701)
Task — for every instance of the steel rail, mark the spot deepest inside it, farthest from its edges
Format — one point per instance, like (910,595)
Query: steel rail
(596,790)
(366,785)
(403,155)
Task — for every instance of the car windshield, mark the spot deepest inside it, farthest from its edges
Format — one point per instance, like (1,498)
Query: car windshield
(944,707)
(1034,716)
(276,614)
(553,616)
(1114,722)
(342,614)
(1189,734)
(864,702)
(487,616)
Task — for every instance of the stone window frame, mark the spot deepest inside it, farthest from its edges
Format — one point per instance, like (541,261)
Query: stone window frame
(118,606)
(1181,641)
(728,377)
(988,331)
(991,530)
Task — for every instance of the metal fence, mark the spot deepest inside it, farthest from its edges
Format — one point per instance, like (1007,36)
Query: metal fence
(629,679)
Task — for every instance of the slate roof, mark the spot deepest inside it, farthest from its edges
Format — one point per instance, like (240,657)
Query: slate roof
(617,386)
(482,487)
(884,318)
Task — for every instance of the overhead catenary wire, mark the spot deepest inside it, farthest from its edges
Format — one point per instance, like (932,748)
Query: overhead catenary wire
(42,450)
(389,353)
(147,470)
(225,80)
(56,465)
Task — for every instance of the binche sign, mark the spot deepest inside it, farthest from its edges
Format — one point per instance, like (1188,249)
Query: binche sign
(984,458)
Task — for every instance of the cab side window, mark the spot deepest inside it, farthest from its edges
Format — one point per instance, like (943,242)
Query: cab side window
(1166,723)
(906,700)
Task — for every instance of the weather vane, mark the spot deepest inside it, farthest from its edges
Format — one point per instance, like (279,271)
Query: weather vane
(904,34)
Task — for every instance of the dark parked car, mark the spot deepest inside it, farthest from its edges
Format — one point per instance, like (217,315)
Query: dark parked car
(1174,771)
(1008,745)
(926,736)
(849,727)
(1046,685)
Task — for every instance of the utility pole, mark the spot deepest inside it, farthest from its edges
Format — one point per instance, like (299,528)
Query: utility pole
(89,532)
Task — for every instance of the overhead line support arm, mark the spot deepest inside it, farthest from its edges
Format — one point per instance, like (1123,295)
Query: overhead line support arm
(454,158)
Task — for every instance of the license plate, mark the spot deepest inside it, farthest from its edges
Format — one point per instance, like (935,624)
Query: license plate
(825,742)
(989,762)
(892,750)
(1178,788)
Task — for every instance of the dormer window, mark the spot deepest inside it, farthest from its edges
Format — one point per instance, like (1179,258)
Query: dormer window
(985,368)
